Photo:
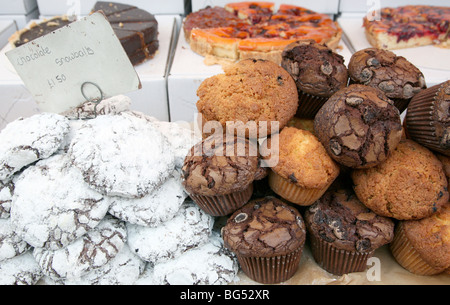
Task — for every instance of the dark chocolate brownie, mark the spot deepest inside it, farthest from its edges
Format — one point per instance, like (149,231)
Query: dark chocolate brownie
(340,218)
(316,69)
(264,227)
(398,78)
(358,126)
(210,169)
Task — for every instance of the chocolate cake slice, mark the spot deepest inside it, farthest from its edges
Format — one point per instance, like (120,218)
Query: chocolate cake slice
(110,8)
(37,30)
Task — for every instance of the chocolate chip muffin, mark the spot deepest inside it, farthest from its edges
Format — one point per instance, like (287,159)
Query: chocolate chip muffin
(358,126)
(428,118)
(267,236)
(304,170)
(398,78)
(318,73)
(409,185)
(423,246)
(344,233)
(251,94)
(218,173)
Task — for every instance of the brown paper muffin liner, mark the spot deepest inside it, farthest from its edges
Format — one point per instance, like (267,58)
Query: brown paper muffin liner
(419,120)
(337,261)
(309,105)
(401,104)
(271,270)
(293,193)
(405,254)
(224,204)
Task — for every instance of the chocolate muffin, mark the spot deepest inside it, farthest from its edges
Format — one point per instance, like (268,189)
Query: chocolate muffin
(252,94)
(317,71)
(218,173)
(304,170)
(344,233)
(398,78)
(409,185)
(423,246)
(428,118)
(267,236)
(358,126)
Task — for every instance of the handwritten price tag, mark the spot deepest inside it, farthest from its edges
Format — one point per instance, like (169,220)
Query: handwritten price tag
(56,67)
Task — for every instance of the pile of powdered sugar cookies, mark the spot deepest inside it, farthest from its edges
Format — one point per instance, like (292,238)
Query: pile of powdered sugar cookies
(94,197)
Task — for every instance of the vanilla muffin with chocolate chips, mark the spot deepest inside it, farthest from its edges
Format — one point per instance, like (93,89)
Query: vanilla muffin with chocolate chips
(318,73)
(252,91)
(358,126)
(344,233)
(410,185)
(267,235)
(218,173)
(398,78)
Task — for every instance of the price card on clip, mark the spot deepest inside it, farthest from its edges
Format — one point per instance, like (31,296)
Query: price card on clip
(81,61)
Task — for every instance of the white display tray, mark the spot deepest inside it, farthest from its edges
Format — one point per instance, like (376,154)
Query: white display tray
(189,71)
(151,99)
(434,62)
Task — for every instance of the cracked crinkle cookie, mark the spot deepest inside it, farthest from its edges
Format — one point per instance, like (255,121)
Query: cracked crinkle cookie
(52,205)
(25,141)
(11,244)
(124,269)
(122,155)
(6,194)
(208,264)
(88,110)
(182,138)
(153,209)
(20,270)
(91,251)
(189,228)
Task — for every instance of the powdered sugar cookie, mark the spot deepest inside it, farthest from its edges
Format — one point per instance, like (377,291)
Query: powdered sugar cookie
(189,228)
(89,110)
(181,137)
(6,194)
(52,206)
(11,244)
(25,141)
(122,155)
(124,269)
(208,264)
(20,270)
(151,210)
(94,250)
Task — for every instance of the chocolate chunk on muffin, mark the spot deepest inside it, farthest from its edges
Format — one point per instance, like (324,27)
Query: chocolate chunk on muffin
(218,173)
(398,78)
(409,185)
(318,73)
(267,236)
(252,94)
(428,118)
(358,126)
(344,233)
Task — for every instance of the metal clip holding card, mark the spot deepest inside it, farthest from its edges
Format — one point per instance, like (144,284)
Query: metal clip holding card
(95,101)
